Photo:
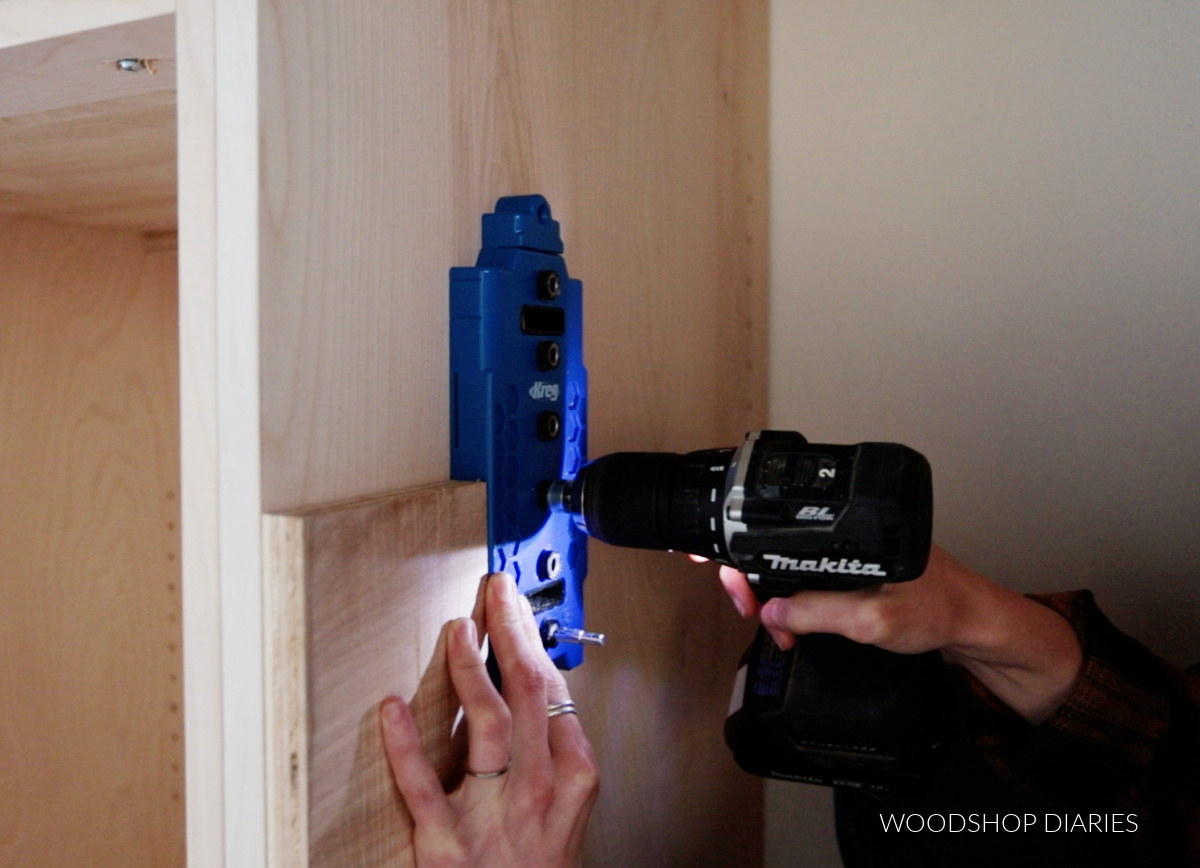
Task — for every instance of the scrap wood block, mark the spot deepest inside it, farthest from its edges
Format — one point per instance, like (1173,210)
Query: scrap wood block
(357,597)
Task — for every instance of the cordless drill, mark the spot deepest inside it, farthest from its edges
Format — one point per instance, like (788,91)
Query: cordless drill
(792,516)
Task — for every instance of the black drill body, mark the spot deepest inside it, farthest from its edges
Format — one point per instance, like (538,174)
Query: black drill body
(794,516)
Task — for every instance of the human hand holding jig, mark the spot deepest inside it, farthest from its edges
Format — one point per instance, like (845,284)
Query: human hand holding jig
(1024,652)
(531,779)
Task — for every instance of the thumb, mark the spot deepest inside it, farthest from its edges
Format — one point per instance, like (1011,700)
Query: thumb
(846,613)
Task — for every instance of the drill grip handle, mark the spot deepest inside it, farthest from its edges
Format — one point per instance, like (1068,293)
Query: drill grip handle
(837,712)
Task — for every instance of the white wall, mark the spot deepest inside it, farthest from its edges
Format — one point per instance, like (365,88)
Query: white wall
(986,244)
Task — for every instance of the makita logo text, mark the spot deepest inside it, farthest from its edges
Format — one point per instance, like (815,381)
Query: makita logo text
(843,567)
(540,391)
(815,513)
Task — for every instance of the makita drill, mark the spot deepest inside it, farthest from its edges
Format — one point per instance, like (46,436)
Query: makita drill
(793,515)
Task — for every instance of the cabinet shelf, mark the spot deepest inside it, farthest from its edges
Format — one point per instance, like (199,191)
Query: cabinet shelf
(84,142)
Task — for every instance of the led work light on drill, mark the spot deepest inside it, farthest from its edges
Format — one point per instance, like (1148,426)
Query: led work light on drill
(793,516)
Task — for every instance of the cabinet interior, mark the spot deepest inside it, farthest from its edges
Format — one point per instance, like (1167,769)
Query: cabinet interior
(91,744)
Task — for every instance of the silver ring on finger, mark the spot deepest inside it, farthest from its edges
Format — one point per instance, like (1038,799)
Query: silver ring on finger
(554,709)
(494,774)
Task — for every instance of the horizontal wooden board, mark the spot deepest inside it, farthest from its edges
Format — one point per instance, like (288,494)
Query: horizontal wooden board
(363,589)
(80,68)
(103,164)
(82,142)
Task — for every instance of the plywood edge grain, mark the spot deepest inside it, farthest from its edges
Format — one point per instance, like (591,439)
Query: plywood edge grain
(220,433)
(199,451)
(284,560)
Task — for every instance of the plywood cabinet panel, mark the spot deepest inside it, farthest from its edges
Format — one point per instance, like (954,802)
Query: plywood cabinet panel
(360,592)
(83,142)
(91,744)
(106,164)
(333,163)
(78,69)
(354,248)
(387,132)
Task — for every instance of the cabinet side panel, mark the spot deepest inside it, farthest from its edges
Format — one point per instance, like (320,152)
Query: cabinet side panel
(354,249)
(664,108)
(643,123)
(91,741)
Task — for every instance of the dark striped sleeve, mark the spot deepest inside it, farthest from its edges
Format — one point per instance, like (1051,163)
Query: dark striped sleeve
(1127,737)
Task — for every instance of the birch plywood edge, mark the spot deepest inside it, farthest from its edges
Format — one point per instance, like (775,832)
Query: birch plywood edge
(356,597)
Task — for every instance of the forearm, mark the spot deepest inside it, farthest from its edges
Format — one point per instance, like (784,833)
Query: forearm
(1023,652)
(1127,735)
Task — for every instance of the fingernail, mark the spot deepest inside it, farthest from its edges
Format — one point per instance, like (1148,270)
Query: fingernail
(391,712)
(737,604)
(505,586)
(464,633)
(769,613)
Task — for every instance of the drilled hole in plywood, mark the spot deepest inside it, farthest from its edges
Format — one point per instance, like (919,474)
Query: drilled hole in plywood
(173,760)
(137,64)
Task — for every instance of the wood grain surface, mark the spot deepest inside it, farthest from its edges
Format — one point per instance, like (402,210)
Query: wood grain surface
(82,142)
(387,130)
(91,746)
(368,587)
(200,459)
(103,164)
(219,389)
